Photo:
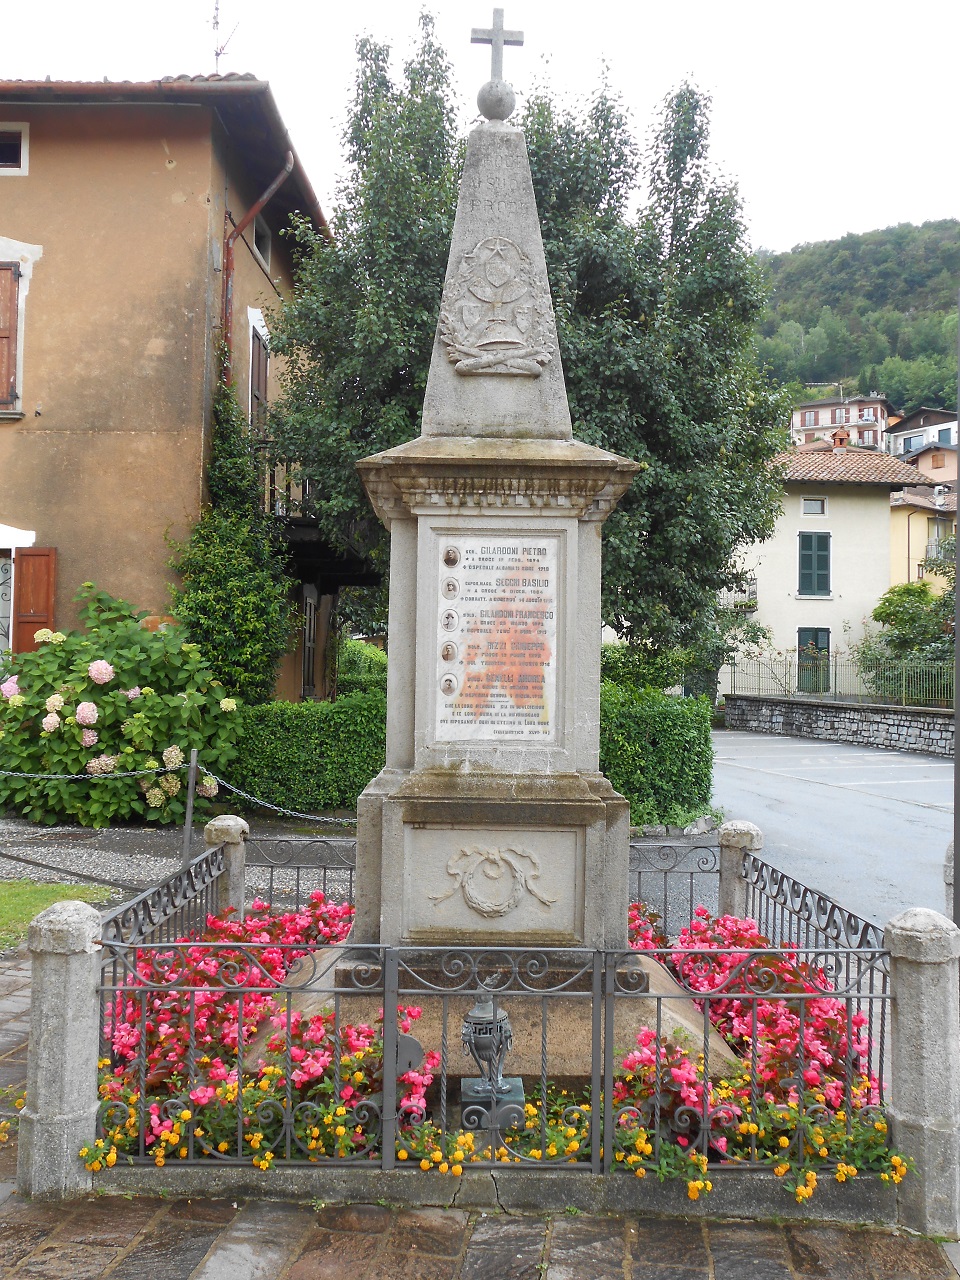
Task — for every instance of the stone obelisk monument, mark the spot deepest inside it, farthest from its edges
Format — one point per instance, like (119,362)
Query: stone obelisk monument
(491,822)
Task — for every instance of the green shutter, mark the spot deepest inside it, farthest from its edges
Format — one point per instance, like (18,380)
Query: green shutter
(814,564)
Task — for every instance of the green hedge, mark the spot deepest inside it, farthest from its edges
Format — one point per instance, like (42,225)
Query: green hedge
(656,751)
(312,756)
(361,667)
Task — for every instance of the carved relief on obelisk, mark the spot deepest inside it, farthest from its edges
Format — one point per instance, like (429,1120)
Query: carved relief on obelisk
(495,314)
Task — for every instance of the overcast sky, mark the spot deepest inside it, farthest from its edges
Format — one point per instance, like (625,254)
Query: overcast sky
(832,115)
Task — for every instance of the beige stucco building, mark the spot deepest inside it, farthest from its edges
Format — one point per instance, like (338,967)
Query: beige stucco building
(919,522)
(821,574)
(130,234)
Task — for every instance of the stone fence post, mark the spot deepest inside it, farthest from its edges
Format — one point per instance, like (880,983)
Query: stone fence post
(231,832)
(61,1108)
(925,1067)
(948,881)
(736,838)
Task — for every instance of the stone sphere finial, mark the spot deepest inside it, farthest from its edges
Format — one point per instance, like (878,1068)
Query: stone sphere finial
(496,100)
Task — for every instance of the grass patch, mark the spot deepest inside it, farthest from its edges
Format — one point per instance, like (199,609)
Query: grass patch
(21,900)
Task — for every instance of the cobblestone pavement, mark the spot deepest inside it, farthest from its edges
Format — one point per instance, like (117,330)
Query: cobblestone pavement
(164,1239)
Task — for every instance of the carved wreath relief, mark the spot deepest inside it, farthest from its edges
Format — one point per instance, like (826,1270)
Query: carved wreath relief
(495,314)
(504,867)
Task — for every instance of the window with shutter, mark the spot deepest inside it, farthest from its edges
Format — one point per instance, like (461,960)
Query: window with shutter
(814,564)
(259,358)
(9,311)
(34,584)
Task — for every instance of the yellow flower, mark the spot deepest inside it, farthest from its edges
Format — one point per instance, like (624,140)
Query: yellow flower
(456,1170)
(780,1169)
(444,1167)
(111,1157)
(402,1154)
(784,1141)
(339,1131)
(182,1153)
(223,1146)
(186,1115)
(341,1111)
(424,1164)
(641,1172)
(436,1156)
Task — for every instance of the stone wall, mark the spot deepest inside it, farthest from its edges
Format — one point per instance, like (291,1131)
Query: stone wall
(928,729)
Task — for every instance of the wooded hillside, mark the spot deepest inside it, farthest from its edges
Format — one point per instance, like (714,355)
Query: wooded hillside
(877,311)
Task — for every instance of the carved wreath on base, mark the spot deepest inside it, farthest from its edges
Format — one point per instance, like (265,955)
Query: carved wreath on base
(495,314)
(494,864)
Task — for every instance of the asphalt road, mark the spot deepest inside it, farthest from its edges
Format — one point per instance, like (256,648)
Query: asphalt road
(866,826)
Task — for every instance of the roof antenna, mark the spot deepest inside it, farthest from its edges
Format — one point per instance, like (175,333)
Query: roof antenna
(220,49)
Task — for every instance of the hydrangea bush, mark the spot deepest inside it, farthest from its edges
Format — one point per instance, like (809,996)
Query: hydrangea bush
(112,699)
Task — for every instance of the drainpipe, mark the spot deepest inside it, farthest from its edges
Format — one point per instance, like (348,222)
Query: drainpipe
(228,245)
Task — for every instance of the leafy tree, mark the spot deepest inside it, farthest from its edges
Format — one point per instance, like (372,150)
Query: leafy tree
(655,314)
(917,620)
(235,596)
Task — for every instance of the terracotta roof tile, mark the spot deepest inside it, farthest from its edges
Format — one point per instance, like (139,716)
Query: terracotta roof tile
(846,466)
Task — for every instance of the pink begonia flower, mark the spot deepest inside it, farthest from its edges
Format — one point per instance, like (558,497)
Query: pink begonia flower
(50,723)
(89,737)
(132,693)
(87,713)
(9,687)
(100,672)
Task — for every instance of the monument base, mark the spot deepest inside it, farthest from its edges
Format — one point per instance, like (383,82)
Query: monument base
(454,858)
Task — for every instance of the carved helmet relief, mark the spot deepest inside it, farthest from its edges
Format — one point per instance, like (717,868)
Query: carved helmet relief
(495,315)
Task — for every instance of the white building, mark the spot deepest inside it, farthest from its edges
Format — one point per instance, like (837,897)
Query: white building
(820,576)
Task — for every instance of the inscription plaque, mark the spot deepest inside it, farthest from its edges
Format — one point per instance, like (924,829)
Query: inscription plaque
(497,652)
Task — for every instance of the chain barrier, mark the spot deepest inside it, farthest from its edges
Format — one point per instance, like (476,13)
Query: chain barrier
(73,875)
(141,773)
(89,777)
(276,808)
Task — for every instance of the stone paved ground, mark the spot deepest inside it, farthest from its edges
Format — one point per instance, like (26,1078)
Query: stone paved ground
(163,1239)
(222,1240)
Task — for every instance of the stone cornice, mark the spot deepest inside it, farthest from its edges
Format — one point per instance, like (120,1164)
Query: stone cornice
(468,475)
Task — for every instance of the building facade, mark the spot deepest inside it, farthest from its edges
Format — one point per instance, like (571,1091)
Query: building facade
(865,417)
(139,231)
(820,575)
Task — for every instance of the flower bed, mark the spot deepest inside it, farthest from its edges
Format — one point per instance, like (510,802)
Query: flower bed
(209,1058)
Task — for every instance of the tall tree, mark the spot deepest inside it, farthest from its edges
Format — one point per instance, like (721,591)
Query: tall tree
(655,315)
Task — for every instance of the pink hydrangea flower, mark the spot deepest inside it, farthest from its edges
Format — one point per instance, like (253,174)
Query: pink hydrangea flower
(50,723)
(100,672)
(87,713)
(89,737)
(132,693)
(9,687)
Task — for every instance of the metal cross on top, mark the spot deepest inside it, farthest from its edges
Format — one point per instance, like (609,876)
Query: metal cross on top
(497,37)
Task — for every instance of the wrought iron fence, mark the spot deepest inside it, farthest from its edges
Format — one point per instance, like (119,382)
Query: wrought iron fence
(673,879)
(285,870)
(176,908)
(704,1058)
(921,684)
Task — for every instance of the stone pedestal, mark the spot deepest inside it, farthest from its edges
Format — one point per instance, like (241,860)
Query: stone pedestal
(491,820)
